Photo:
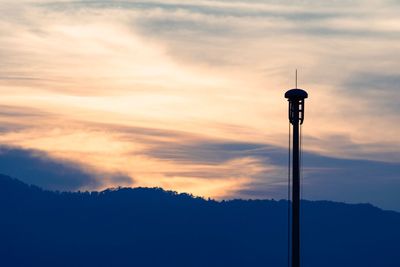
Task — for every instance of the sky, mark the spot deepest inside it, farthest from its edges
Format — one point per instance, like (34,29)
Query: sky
(188,96)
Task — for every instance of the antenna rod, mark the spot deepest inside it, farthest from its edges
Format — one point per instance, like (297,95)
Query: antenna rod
(296,117)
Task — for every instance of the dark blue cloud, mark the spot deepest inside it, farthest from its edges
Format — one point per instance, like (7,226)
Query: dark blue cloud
(307,19)
(214,10)
(35,167)
(365,82)
(381,89)
(342,179)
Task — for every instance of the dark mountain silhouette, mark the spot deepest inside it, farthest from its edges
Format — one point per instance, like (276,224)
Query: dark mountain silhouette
(152,227)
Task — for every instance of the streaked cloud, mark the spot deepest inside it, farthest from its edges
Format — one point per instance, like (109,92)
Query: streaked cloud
(189,95)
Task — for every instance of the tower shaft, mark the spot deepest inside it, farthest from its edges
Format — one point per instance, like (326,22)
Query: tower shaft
(296,188)
(296,117)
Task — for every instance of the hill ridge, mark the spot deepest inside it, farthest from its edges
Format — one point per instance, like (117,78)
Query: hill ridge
(153,227)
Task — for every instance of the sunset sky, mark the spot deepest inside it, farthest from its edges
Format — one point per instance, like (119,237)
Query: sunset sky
(188,96)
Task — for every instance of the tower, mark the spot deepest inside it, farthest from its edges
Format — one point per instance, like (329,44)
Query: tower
(296,117)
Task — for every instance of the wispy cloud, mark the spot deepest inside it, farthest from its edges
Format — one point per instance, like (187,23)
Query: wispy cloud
(189,95)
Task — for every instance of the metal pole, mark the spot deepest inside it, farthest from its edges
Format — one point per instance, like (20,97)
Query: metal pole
(296,188)
(296,116)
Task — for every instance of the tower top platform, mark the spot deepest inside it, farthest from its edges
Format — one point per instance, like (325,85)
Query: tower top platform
(296,93)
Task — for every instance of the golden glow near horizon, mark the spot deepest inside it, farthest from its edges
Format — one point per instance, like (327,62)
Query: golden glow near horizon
(112,85)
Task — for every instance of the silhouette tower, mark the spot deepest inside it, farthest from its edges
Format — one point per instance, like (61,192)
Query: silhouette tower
(296,117)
